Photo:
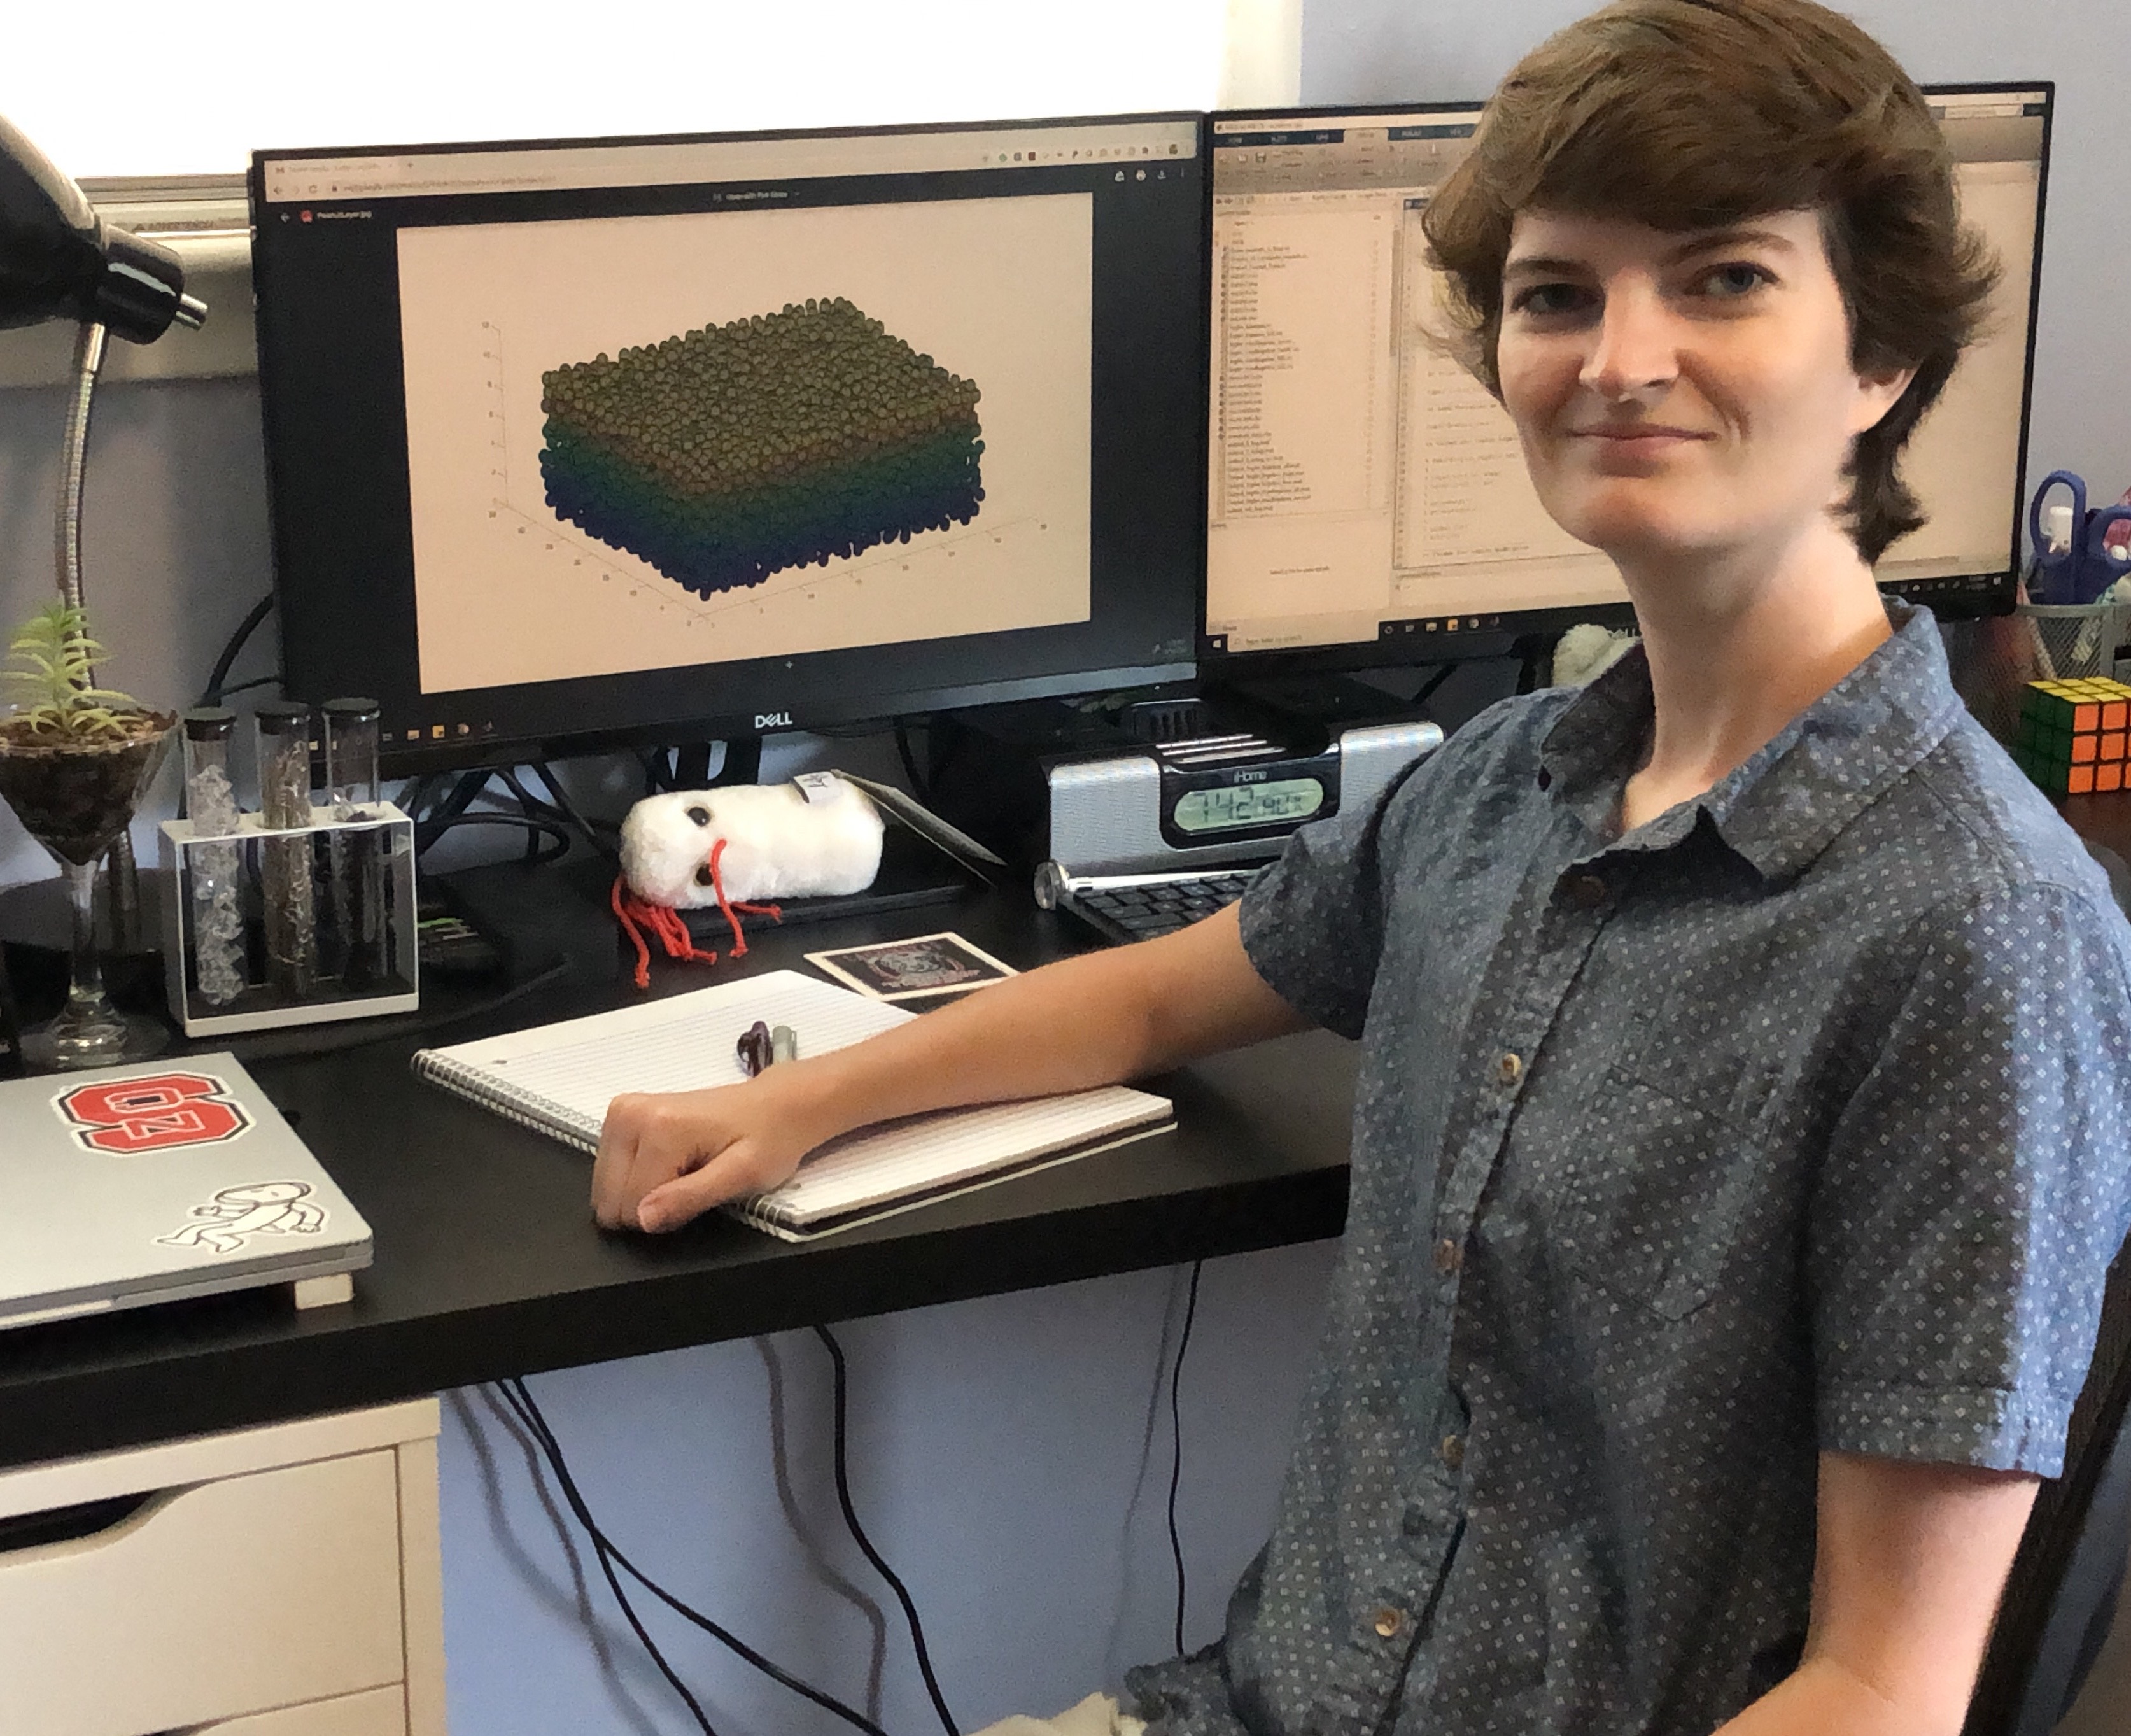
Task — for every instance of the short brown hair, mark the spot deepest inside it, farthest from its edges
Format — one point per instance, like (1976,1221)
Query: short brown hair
(1691,114)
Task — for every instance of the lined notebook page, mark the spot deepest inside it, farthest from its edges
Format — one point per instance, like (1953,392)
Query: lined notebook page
(683,1043)
(570,1071)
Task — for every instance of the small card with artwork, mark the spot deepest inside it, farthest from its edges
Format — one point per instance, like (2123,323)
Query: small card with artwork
(912,970)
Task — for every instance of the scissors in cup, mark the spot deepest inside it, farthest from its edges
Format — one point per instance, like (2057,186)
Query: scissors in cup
(2088,562)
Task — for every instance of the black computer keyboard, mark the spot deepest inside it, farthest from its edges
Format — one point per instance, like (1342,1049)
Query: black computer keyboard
(1140,910)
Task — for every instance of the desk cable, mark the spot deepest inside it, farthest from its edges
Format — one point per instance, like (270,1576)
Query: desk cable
(521,1403)
(1176,1440)
(865,1543)
(519,1399)
(217,681)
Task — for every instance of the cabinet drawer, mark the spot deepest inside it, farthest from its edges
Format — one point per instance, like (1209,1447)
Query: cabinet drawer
(380,1712)
(230,1597)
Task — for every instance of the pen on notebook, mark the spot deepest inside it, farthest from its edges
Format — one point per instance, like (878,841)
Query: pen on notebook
(761,1044)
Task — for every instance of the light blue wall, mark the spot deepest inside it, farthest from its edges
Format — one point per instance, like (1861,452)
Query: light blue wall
(174,541)
(1010,1459)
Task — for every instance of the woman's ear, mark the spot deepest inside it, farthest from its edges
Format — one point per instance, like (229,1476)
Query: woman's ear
(1878,392)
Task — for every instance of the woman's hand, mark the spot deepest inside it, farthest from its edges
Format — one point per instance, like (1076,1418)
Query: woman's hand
(667,1158)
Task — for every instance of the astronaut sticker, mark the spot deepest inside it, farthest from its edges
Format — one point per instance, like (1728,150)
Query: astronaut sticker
(236,1214)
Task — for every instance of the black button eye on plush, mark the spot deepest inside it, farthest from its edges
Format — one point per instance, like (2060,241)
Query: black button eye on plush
(704,877)
(700,814)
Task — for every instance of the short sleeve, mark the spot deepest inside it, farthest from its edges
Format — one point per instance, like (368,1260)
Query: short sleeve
(1975,1191)
(1313,924)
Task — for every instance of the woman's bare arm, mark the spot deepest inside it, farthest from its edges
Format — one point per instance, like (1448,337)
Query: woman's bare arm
(1092,1020)
(1912,1558)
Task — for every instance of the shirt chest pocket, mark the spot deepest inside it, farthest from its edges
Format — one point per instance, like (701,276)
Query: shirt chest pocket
(1655,1194)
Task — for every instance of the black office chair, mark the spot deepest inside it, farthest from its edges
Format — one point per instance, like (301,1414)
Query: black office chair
(2061,1598)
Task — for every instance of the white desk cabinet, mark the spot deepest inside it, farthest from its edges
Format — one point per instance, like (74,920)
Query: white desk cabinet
(279,1581)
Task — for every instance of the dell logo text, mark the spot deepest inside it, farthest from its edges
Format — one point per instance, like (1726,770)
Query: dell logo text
(773,720)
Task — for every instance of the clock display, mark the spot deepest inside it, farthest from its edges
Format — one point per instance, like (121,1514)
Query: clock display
(1239,805)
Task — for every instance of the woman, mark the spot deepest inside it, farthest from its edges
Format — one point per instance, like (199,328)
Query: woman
(1731,1195)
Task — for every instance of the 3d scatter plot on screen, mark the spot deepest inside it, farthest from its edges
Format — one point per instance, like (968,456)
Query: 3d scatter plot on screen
(734,451)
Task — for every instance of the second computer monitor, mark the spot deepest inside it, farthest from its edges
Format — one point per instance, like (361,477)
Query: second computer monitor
(1367,498)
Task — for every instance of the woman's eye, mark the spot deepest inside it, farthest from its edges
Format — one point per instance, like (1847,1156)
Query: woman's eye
(1740,277)
(1543,299)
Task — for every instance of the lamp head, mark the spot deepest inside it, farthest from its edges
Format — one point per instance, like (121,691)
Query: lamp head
(59,260)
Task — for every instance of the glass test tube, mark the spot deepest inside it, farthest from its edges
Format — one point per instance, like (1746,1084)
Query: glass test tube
(351,755)
(358,861)
(215,917)
(284,734)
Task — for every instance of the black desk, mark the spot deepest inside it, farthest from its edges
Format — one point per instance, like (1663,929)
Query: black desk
(488,1262)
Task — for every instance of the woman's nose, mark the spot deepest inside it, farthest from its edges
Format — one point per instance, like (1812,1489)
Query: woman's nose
(1634,350)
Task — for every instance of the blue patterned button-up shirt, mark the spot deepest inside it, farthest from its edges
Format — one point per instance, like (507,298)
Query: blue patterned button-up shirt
(1794,1120)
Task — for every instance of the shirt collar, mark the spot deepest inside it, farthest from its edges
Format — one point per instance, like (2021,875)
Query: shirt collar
(1786,804)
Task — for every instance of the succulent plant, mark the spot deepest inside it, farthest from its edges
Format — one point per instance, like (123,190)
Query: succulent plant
(55,699)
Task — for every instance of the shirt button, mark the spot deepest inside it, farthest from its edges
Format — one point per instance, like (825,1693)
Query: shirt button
(1453,1451)
(1510,1068)
(1388,1622)
(1449,1256)
(1587,892)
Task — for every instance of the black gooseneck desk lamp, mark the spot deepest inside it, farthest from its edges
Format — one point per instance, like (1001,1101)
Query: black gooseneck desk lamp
(59,260)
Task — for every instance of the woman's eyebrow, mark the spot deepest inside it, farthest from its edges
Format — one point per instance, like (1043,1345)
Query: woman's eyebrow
(1707,241)
(1544,265)
(1740,236)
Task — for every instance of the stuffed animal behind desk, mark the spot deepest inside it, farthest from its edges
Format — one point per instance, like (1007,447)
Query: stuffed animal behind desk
(778,841)
(739,848)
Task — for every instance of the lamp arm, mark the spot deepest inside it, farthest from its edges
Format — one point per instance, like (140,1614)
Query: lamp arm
(73,453)
(122,883)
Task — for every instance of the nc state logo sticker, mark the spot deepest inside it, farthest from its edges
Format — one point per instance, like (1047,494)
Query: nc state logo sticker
(155,1112)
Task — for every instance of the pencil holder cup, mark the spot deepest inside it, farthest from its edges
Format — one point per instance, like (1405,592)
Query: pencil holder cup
(2076,639)
(1993,659)
(290,925)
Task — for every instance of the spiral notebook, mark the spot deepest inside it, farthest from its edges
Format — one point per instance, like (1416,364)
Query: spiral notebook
(559,1078)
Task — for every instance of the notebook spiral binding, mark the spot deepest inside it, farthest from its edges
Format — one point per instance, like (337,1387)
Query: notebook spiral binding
(527,1108)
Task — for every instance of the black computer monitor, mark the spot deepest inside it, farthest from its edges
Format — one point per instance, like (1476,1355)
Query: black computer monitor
(1367,502)
(577,444)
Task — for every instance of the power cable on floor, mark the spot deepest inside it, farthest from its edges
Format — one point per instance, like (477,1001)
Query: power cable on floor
(519,1398)
(1176,1439)
(865,1543)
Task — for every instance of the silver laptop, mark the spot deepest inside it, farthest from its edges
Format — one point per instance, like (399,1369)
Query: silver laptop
(131,1185)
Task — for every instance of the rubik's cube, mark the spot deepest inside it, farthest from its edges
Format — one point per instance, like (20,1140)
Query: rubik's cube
(2072,734)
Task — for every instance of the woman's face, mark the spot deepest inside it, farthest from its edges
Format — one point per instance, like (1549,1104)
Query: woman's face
(1681,394)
